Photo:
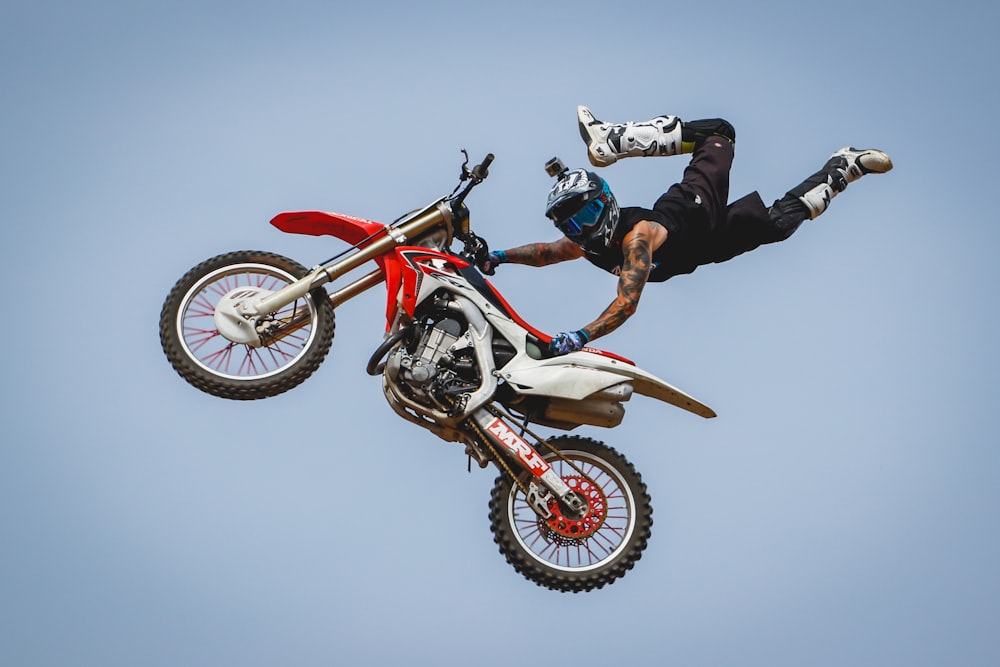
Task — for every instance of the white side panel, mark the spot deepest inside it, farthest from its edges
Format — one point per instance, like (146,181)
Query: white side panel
(579,374)
(564,381)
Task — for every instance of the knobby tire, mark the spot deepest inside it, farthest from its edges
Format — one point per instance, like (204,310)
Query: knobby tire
(515,545)
(260,266)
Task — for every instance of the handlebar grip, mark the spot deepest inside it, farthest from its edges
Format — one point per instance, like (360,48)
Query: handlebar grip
(482,170)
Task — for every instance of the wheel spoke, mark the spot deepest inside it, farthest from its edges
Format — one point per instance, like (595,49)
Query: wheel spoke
(210,349)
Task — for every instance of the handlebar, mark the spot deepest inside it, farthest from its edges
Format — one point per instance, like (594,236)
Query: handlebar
(475,176)
(476,248)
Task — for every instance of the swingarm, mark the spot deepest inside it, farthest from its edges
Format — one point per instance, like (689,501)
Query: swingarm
(544,483)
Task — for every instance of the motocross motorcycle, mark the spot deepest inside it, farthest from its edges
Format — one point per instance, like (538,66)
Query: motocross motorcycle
(568,512)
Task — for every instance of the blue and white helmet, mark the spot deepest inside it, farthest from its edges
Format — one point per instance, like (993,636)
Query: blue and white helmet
(582,207)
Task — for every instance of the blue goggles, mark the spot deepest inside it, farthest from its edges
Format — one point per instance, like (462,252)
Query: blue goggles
(583,219)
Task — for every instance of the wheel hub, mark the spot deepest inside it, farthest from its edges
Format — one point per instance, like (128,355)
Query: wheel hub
(229,318)
(592,519)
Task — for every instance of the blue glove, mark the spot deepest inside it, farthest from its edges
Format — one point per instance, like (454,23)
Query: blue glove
(568,342)
(490,263)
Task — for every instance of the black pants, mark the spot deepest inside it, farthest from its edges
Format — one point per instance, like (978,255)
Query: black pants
(707,228)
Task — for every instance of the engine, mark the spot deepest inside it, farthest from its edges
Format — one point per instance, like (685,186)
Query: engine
(435,365)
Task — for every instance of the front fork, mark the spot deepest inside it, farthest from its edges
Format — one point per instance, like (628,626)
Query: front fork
(244,310)
(544,480)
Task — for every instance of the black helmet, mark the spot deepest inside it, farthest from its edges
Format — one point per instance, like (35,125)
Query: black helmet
(582,207)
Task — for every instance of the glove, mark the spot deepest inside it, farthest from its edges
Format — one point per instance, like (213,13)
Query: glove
(568,342)
(493,259)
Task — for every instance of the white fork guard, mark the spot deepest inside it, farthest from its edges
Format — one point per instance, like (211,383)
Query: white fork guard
(579,374)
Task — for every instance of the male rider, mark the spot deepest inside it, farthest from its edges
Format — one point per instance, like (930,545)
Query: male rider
(688,226)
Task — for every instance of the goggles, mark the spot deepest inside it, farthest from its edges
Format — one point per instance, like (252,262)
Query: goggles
(583,219)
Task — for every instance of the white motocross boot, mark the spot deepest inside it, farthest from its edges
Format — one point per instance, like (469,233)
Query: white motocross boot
(609,142)
(845,166)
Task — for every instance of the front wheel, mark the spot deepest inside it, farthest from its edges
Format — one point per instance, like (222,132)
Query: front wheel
(293,341)
(574,554)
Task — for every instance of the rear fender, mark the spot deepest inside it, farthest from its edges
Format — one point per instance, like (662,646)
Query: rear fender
(579,374)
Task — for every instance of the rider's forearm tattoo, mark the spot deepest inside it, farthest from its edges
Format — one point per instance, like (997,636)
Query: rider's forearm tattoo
(541,254)
(633,277)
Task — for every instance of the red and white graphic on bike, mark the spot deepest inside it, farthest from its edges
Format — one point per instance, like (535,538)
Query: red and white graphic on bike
(516,444)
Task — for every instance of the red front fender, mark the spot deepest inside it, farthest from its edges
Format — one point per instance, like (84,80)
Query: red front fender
(317,223)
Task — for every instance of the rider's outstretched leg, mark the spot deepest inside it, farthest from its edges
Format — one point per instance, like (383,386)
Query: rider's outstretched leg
(812,197)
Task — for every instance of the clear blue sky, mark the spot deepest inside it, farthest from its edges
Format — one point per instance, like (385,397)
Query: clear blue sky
(843,508)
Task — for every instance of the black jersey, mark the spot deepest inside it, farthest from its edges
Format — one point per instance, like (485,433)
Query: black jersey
(676,256)
(694,236)
(701,227)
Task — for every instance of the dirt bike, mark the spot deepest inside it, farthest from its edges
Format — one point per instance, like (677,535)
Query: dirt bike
(568,512)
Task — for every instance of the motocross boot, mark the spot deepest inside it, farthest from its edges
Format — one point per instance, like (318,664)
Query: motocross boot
(813,196)
(609,142)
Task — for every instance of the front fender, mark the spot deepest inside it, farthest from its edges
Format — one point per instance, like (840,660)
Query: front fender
(317,223)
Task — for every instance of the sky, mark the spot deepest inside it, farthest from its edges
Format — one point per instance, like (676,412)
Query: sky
(843,509)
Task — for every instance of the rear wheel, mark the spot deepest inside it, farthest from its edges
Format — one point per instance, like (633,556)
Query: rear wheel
(294,340)
(575,554)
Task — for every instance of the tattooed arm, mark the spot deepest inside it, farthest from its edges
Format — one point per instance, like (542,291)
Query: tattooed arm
(637,248)
(543,254)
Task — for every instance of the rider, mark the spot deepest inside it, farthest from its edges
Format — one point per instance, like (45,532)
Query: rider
(688,226)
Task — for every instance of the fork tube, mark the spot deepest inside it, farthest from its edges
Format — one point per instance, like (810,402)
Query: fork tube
(357,287)
(337,298)
(435,214)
